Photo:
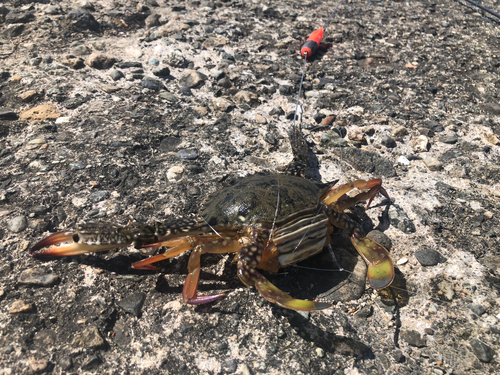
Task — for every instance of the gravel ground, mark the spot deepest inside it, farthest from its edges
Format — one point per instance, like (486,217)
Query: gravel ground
(111,110)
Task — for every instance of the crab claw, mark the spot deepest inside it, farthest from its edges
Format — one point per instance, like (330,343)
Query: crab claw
(380,266)
(67,243)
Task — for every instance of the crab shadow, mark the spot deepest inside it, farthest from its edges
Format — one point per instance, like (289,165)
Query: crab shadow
(323,338)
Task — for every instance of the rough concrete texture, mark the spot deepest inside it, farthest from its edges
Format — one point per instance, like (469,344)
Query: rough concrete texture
(161,103)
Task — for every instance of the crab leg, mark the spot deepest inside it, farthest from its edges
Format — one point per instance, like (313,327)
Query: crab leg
(217,246)
(380,266)
(91,237)
(177,246)
(332,196)
(249,258)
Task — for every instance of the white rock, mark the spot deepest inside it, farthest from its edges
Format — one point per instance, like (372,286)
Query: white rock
(79,202)
(356,110)
(476,206)
(420,144)
(401,261)
(403,160)
(62,120)
(174,173)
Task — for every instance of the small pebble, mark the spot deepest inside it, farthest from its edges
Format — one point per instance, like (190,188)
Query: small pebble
(192,79)
(402,261)
(388,142)
(33,276)
(133,303)
(221,105)
(161,72)
(429,257)
(99,196)
(116,74)
(20,306)
(477,309)
(413,338)
(482,351)
(89,338)
(17,224)
(403,160)
(420,144)
(38,365)
(230,366)
(320,352)
(187,154)
(433,164)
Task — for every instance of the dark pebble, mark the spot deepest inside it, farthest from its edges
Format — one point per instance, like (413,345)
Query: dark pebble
(276,111)
(413,338)
(398,356)
(66,363)
(449,139)
(116,74)
(429,257)
(400,220)
(285,90)
(14,31)
(429,331)
(128,64)
(432,89)
(340,130)
(318,117)
(370,162)
(230,366)
(482,351)
(187,154)
(227,56)
(36,61)
(92,363)
(413,157)
(450,154)
(477,309)
(61,214)
(98,196)
(8,115)
(19,16)
(269,138)
(82,19)
(364,312)
(133,303)
(151,85)
(162,72)
(388,142)
(8,349)
(185,91)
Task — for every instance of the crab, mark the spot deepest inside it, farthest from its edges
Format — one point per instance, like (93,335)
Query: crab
(269,220)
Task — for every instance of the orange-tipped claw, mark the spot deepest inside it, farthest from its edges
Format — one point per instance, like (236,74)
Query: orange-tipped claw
(53,239)
(62,244)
